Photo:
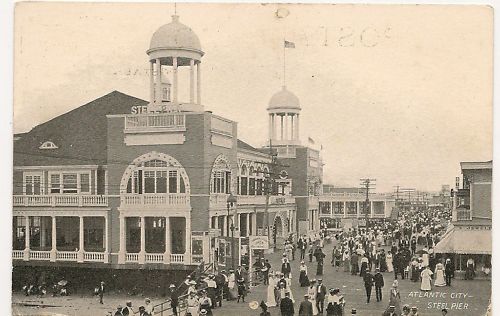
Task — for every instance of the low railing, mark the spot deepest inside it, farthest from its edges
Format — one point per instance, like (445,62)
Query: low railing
(151,122)
(93,256)
(154,258)
(176,258)
(17,254)
(67,255)
(132,257)
(60,200)
(155,199)
(39,255)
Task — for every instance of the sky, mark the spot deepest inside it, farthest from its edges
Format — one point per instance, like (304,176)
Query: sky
(397,93)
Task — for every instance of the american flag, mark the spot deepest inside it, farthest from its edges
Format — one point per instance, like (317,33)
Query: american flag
(289,44)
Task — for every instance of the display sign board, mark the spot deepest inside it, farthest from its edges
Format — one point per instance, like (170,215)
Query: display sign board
(259,242)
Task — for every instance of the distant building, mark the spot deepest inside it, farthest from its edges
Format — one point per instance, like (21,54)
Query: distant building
(470,232)
(346,207)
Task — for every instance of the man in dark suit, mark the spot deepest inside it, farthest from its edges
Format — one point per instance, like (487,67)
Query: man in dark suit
(100,292)
(306,307)
(286,305)
(379,284)
(286,269)
(320,296)
(174,299)
(368,280)
(449,270)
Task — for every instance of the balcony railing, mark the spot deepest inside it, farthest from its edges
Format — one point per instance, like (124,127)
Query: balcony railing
(155,122)
(67,255)
(154,258)
(17,254)
(132,257)
(93,256)
(60,200)
(39,255)
(177,258)
(155,200)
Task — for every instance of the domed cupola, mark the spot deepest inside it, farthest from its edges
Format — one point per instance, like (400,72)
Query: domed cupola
(174,47)
(284,110)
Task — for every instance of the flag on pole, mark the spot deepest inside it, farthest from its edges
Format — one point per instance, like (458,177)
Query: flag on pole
(289,44)
(311,140)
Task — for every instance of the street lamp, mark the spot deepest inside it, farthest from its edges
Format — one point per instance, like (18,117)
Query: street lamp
(231,200)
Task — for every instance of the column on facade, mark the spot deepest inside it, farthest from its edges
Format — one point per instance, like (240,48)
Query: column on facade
(292,129)
(248,224)
(80,240)
(191,80)
(286,125)
(270,126)
(223,229)
(106,239)
(168,242)
(123,250)
(345,209)
(53,251)
(198,81)
(142,253)
(254,224)
(281,127)
(187,256)
(371,209)
(297,127)
(176,79)
(151,82)
(27,238)
(273,120)
(158,81)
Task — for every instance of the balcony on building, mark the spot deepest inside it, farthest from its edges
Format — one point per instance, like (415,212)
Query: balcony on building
(72,186)
(155,123)
(461,211)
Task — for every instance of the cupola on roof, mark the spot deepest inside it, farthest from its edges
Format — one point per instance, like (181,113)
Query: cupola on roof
(284,99)
(175,35)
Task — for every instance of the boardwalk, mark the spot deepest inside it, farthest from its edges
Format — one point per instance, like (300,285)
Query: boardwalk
(463,298)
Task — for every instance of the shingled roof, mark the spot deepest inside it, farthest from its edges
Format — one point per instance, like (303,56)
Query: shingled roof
(80,134)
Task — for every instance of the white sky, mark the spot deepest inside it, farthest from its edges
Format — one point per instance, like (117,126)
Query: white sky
(399,93)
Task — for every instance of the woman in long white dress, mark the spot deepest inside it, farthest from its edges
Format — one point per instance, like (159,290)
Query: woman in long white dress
(289,288)
(271,299)
(388,261)
(312,291)
(439,271)
(231,282)
(426,276)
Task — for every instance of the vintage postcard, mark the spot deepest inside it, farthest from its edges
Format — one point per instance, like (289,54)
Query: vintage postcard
(252,159)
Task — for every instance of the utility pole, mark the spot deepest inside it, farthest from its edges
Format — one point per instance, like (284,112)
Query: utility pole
(270,186)
(409,191)
(367,184)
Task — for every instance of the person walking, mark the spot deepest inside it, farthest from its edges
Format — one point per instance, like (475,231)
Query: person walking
(379,284)
(312,292)
(286,305)
(286,268)
(388,261)
(426,276)
(150,310)
(368,280)
(439,271)
(174,299)
(320,257)
(303,278)
(265,271)
(449,271)
(320,296)
(395,298)
(306,307)
(271,296)
(101,291)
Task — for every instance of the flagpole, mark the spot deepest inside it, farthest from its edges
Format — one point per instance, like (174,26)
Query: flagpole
(284,63)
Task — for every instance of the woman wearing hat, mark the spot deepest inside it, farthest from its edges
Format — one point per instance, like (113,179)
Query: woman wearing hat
(312,292)
(193,304)
(205,303)
(334,303)
(426,276)
(271,297)
(303,279)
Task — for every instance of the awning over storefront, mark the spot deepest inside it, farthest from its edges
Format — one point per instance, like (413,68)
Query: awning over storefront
(465,240)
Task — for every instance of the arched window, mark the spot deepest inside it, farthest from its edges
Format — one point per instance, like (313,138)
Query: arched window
(251,181)
(220,179)
(155,173)
(259,182)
